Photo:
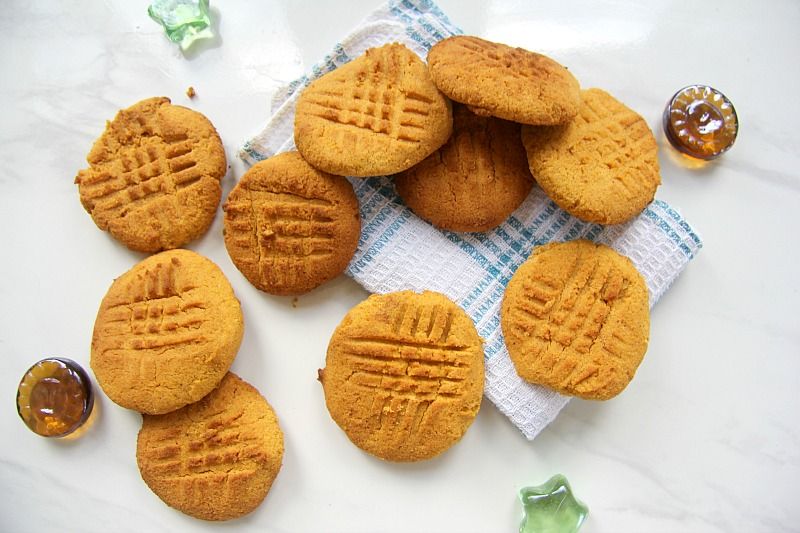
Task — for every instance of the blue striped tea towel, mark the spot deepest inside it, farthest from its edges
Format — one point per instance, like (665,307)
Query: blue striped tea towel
(399,251)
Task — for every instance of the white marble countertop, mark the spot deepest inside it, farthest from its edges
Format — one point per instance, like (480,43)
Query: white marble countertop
(706,437)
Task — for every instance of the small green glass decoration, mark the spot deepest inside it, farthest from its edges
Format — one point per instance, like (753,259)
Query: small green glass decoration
(551,508)
(184,21)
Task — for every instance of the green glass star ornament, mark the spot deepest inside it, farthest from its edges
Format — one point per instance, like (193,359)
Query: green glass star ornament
(184,21)
(551,508)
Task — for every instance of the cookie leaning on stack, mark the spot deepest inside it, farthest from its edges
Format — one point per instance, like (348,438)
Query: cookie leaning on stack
(500,81)
(602,166)
(377,115)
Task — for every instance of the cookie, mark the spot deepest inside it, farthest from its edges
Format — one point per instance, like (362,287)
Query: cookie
(290,227)
(215,459)
(404,375)
(475,181)
(575,318)
(505,82)
(154,177)
(166,333)
(602,167)
(377,115)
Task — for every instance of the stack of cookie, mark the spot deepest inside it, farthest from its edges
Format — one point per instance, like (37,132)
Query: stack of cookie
(467,136)
(168,330)
(592,155)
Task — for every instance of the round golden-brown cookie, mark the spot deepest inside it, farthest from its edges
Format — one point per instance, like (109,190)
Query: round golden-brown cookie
(215,459)
(154,176)
(575,318)
(290,227)
(404,375)
(474,181)
(505,82)
(377,115)
(166,333)
(602,167)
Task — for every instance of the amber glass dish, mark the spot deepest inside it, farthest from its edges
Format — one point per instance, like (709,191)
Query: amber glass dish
(55,397)
(701,122)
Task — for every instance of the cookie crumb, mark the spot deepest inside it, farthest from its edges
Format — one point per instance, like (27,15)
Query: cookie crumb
(294,302)
(190,92)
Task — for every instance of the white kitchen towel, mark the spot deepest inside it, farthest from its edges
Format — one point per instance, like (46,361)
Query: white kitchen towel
(398,250)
